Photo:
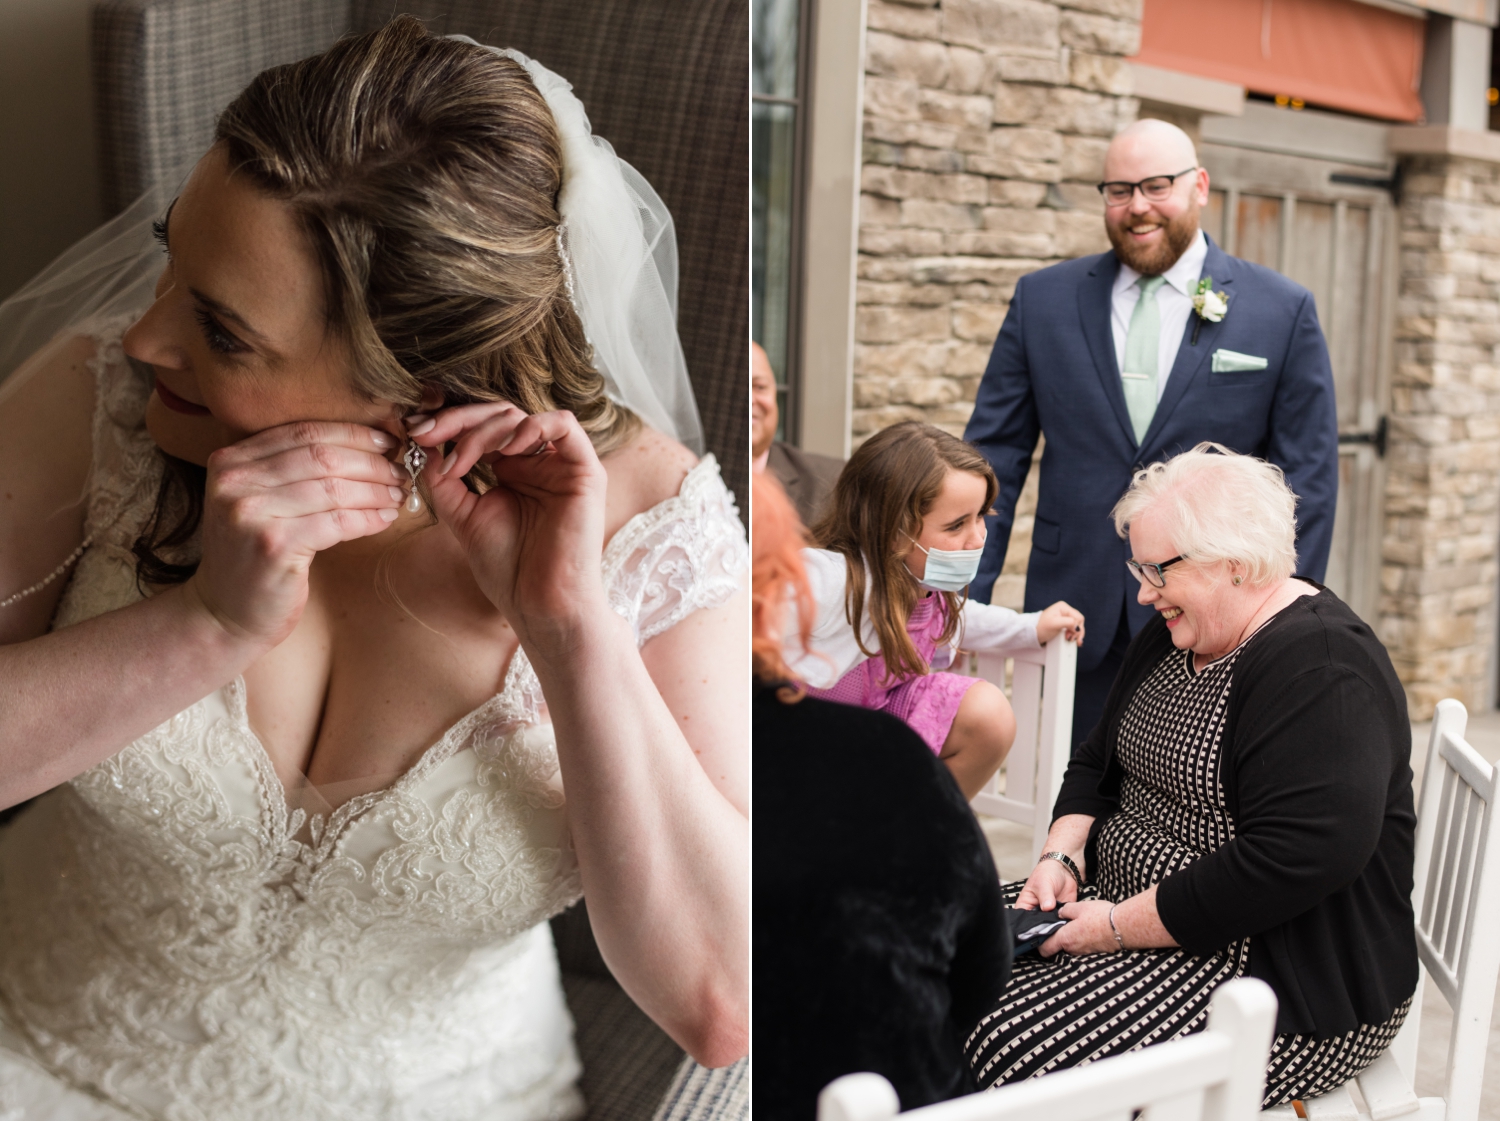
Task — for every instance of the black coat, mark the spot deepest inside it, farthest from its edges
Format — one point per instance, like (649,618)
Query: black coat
(1317,776)
(879,932)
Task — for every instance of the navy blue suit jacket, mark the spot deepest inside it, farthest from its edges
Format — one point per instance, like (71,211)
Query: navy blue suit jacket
(1053,371)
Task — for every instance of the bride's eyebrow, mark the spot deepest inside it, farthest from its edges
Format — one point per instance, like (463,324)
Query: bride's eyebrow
(224,311)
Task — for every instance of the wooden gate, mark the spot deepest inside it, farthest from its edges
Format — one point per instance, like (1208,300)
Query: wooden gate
(1331,228)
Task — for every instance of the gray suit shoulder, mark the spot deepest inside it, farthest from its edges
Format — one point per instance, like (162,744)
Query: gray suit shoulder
(807,476)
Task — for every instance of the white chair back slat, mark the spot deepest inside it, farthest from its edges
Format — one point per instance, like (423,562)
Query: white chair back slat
(1040,685)
(1469,808)
(1437,909)
(1215,1075)
(1457,901)
(1026,702)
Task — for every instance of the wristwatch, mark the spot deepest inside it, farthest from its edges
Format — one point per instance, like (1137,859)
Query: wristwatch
(1067,862)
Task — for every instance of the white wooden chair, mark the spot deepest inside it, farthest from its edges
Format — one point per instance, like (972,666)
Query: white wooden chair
(1457,905)
(1041,694)
(1215,1075)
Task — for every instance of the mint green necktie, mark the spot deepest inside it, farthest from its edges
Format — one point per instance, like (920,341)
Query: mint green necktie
(1142,348)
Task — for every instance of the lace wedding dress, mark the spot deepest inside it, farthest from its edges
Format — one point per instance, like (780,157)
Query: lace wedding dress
(176,942)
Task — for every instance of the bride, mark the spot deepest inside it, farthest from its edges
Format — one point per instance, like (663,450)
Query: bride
(327,733)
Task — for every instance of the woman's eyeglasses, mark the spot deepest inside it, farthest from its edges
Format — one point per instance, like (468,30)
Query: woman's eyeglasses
(1153,574)
(1156,189)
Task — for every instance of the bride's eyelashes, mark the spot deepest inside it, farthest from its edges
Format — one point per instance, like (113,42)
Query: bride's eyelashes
(218,339)
(159,232)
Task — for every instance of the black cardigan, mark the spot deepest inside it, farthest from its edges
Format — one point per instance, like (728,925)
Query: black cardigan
(878,925)
(1317,776)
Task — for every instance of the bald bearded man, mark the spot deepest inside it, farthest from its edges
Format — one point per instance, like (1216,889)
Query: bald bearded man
(1111,360)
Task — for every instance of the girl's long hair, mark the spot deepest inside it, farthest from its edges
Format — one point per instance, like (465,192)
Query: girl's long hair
(778,579)
(886,489)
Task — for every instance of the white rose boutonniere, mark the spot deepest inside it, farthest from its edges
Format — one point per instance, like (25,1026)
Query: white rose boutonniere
(1208,304)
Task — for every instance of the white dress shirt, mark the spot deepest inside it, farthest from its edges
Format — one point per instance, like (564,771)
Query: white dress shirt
(1174,299)
(835,650)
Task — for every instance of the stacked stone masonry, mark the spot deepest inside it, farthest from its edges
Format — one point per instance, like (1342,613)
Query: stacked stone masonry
(985,126)
(1442,523)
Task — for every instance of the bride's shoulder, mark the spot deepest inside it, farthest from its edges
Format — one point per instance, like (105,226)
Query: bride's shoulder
(643,474)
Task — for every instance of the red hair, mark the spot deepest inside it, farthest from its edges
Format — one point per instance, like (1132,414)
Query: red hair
(777,575)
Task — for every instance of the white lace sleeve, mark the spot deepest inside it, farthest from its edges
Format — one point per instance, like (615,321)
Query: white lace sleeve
(681,555)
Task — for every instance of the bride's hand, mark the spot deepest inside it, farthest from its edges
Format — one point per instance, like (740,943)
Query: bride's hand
(273,502)
(535,542)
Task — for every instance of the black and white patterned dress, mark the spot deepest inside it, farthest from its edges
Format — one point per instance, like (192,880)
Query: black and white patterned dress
(1071,1010)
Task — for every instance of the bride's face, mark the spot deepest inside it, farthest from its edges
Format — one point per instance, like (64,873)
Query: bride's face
(237,335)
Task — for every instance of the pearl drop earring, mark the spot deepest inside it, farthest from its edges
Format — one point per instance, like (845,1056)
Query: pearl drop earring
(415,459)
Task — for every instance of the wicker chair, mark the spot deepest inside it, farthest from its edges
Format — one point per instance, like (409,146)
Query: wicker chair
(665,83)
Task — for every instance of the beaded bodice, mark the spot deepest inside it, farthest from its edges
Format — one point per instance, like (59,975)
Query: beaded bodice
(176,938)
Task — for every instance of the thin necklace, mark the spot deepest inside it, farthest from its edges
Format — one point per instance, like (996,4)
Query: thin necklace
(1244,638)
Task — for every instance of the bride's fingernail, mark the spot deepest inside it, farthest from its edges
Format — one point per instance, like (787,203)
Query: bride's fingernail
(396,493)
(415,419)
(387,515)
(448,461)
(383,439)
(423,424)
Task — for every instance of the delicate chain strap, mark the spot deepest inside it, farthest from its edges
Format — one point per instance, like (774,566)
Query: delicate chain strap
(56,572)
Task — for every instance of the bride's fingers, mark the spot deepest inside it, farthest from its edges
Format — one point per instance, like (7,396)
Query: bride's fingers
(509,436)
(283,437)
(317,496)
(325,529)
(450,424)
(309,462)
(484,439)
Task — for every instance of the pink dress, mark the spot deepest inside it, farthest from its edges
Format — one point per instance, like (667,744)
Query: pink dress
(928,702)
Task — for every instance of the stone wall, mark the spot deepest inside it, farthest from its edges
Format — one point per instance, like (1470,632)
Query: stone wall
(1442,525)
(985,125)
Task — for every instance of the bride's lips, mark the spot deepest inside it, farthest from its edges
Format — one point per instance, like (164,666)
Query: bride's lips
(177,404)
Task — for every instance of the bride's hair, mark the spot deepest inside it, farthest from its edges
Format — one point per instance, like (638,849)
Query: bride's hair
(424,173)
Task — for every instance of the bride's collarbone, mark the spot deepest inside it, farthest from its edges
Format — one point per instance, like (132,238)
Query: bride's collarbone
(382,662)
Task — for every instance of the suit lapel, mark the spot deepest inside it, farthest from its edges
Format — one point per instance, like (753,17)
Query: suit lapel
(1191,360)
(1095,306)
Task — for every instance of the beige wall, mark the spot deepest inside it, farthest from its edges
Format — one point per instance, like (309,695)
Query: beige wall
(49,194)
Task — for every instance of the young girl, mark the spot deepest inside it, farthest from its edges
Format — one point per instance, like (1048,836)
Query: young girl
(900,541)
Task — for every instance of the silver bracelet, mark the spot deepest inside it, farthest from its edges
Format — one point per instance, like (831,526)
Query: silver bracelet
(1114,929)
(1067,862)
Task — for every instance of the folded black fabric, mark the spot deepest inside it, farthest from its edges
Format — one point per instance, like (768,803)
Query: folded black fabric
(1029,929)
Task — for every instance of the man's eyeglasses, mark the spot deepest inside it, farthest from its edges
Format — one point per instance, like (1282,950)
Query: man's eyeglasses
(1153,574)
(1156,189)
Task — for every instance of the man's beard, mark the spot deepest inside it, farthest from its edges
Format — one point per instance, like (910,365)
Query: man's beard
(1180,232)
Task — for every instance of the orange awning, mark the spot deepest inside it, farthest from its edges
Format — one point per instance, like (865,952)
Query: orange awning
(1335,53)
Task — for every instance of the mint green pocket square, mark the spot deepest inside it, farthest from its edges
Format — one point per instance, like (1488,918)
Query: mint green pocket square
(1230,362)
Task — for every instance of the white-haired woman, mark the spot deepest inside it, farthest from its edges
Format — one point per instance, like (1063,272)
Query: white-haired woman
(1243,808)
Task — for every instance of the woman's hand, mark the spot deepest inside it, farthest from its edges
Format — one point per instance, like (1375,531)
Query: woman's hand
(1048,885)
(534,542)
(1060,619)
(273,502)
(1087,932)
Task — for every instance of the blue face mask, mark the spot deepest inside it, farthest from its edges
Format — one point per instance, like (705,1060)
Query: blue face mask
(950,570)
